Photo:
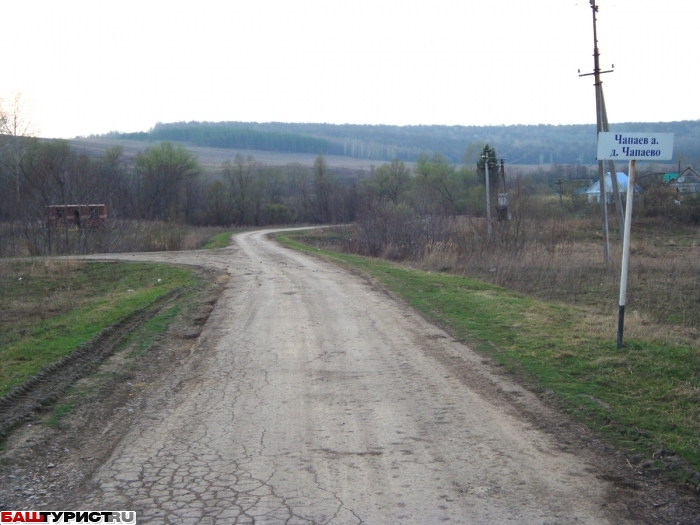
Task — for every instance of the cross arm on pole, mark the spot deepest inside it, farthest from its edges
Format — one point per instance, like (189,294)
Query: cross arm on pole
(591,74)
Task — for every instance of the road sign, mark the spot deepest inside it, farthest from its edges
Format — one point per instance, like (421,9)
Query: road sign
(635,146)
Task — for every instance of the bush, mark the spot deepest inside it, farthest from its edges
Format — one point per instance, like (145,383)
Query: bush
(387,229)
(658,201)
(278,214)
(688,212)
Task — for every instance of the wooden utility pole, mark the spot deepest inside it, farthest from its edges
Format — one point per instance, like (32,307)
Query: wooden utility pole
(500,205)
(599,120)
(488,202)
(613,173)
(600,117)
(503,175)
(503,213)
(560,183)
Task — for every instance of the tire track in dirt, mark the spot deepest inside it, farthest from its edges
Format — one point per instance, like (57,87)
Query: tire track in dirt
(45,387)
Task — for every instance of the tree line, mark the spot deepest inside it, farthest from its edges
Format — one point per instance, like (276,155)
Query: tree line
(165,182)
(522,144)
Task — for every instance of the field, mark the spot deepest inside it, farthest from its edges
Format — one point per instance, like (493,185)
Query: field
(211,158)
(548,315)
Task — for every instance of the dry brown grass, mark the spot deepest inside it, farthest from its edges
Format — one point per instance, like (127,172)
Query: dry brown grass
(560,259)
(25,239)
(663,298)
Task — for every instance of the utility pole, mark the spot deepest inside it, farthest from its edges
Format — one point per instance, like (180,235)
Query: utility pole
(559,183)
(613,172)
(599,121)
(488,201)
(503,175)
(502,204)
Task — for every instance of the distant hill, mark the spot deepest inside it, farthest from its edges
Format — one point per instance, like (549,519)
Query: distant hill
(521,144)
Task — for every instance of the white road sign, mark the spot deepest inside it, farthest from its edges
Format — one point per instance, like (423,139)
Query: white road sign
(638,146)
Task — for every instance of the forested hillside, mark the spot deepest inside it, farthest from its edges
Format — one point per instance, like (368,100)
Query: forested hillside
(535,144)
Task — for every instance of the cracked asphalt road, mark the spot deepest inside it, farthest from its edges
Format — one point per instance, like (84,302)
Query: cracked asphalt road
(323,400)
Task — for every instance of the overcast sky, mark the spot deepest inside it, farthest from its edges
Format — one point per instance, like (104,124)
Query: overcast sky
(95,66)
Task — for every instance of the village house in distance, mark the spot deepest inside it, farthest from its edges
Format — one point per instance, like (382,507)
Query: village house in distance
(688,181)
(593,192)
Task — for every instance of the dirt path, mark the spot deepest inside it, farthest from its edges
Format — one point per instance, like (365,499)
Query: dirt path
(319,399)
(309,396)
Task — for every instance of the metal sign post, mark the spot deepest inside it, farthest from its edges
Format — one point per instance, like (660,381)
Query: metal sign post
(632,147)
(625,253)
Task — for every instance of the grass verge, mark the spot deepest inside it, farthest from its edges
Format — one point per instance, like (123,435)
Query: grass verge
(644,398)
(220,240)
(49,308)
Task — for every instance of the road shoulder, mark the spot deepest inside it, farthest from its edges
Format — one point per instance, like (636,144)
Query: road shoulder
(47,460)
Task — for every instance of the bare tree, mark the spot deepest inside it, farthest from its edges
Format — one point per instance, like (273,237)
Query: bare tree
(15,128)
(323,187)
(217,212)
(299,190)
(240,176)
(46,179)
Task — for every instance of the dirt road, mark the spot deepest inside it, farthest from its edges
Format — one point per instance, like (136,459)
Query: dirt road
(323,400)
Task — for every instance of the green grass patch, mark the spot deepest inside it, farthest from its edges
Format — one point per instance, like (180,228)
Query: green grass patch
(220,240)
(137,341)
(58,413)
(50,308)
(142,338)
(643,397)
